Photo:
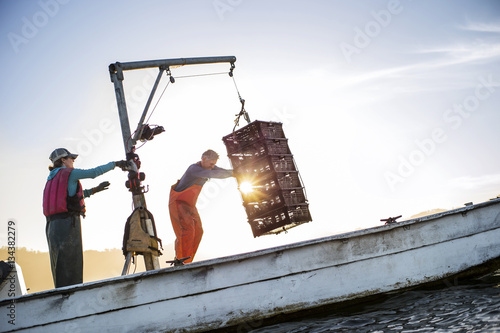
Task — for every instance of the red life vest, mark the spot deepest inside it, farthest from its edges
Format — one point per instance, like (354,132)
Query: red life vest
(55,195)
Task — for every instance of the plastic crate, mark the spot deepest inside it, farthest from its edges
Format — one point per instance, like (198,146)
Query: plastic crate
(253,132)
(274,200)
(282,162)
(257,166)
(288,180)
(294,196)
(265,164)
(261,193)
(259,154)
(280,220)
(262,207)
(256,149)
(265,185)
(300,214)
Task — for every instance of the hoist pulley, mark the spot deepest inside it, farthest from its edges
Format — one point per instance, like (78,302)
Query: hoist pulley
(169,74)
(231,69)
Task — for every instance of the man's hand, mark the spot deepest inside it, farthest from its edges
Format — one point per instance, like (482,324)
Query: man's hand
(101,187)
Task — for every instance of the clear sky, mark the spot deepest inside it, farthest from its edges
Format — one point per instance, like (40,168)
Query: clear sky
(390,107)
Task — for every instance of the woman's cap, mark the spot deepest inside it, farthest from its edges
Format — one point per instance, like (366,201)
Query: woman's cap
(60,153)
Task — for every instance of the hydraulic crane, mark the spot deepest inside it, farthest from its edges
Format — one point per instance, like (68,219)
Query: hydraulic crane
(140,232)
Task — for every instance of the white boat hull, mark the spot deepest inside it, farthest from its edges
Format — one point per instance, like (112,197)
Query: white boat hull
(242,290)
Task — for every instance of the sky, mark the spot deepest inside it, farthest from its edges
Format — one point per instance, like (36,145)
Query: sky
(390,108)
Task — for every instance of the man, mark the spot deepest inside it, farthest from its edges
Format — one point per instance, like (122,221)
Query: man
(182,204)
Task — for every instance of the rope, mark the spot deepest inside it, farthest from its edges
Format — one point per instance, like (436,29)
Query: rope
(242,101)
(195,75)
(236,86)
(158,101)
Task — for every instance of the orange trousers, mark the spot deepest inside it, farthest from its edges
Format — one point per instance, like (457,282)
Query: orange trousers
(185,221)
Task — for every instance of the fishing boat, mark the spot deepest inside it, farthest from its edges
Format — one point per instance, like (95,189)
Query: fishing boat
(238,292)
(244,291)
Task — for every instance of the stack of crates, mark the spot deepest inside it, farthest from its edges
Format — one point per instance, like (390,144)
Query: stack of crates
(260,155)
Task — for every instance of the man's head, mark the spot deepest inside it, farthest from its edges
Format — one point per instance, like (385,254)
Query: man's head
(209,159)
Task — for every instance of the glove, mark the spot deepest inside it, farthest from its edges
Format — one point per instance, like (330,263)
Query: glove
(101,187)
(122,164)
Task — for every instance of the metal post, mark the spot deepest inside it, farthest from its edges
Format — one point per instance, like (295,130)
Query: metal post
(174,62)
(117,78)
(138,131)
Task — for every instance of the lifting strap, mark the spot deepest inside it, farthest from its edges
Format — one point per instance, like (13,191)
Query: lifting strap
(243,112)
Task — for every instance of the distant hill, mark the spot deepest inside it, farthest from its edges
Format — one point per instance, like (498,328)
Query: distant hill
(428,212)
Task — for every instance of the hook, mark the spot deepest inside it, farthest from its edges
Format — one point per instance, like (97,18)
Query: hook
(172,79)
(231,69)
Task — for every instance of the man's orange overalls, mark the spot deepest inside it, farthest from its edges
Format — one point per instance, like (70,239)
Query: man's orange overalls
(185,221)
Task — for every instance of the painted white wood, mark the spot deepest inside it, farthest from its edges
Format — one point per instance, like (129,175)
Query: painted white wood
(14,284)
(243,289)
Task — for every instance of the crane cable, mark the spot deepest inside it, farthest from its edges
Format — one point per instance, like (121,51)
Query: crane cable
(243,112)
(171,80)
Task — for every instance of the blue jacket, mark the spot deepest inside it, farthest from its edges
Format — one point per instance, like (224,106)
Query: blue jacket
(78,174)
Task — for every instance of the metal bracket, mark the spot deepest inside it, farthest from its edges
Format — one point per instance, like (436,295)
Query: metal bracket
(231,69)
(391,220)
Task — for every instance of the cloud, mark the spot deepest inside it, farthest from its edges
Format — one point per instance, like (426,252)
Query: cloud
(462,53)
(481,27)
(442,57)
(471,183)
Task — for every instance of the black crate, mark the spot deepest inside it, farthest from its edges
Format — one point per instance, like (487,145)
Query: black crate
(270,201)
(289,180)
(253,132)
(294,196)
(263,206)
(260,155)
(257,149)
(265,164)
(280,220)
(266,184)
(262,190)
(281,162)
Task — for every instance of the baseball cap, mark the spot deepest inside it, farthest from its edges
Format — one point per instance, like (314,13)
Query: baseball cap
(60,153)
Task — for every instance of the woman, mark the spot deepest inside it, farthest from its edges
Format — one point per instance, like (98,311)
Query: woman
(63,203)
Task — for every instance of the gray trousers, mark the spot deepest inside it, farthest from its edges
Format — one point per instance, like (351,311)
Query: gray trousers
(64,237)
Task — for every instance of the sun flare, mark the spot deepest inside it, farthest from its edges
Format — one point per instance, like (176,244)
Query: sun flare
(246,187)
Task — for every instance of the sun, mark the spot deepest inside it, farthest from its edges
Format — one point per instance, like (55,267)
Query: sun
(246,187)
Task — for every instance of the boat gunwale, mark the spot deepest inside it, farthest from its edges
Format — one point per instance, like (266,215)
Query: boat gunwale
(248,255)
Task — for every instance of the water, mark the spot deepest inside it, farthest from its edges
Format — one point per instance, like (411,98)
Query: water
(454,306)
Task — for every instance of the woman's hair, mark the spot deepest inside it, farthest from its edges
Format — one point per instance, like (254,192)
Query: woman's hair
(57,164)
